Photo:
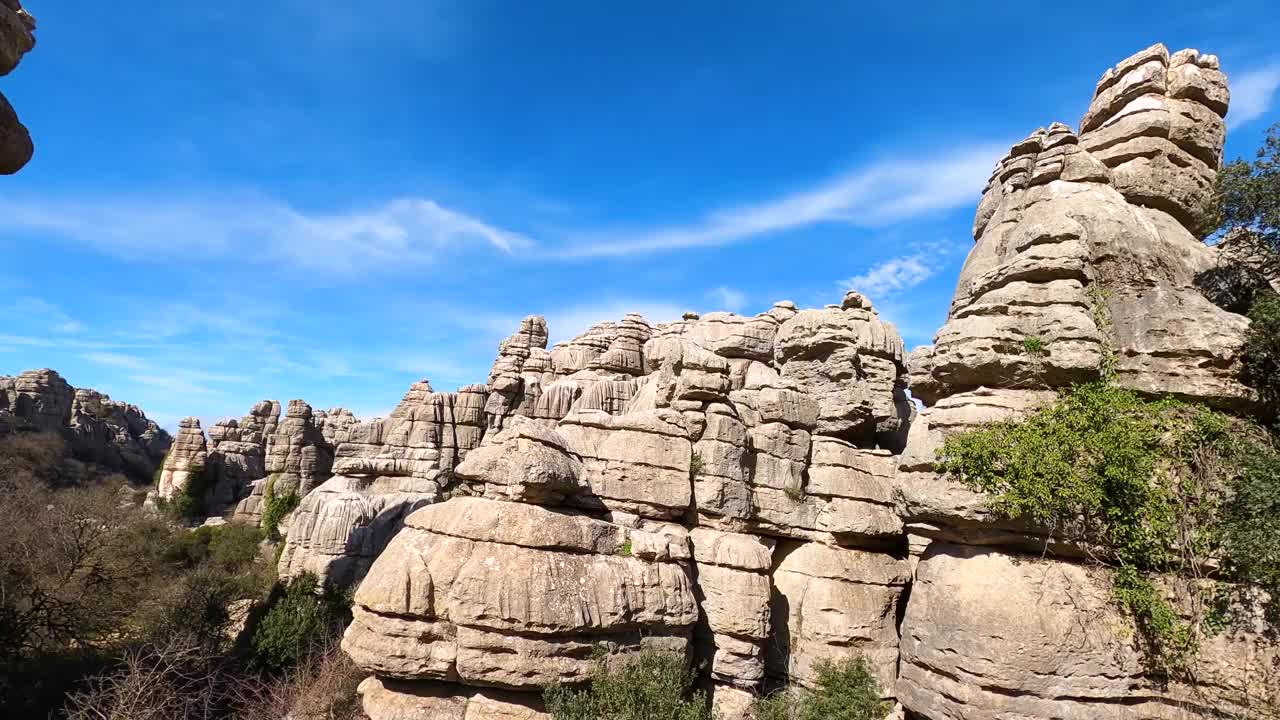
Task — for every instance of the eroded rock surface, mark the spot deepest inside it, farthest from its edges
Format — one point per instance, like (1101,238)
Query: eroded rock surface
(17,37)
(98,430)
(759,493)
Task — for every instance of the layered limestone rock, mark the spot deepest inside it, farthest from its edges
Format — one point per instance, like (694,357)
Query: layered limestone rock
(628,490)
(298,456)
(17,37)
(487,593)
(993,635)
(98,430)
(1087,259)
(1088,249)
(340,527)
(187,460)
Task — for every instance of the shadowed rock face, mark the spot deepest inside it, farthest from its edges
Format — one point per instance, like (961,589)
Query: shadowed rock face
(99,430)
(17,37)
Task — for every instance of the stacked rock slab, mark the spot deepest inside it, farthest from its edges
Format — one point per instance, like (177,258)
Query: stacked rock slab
(1087,251)
(17,37)
(707,486)
(98,430)
(186,459)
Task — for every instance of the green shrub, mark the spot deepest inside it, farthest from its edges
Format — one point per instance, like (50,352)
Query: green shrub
(695,465)
(302,615)
(842,691)
(650,685)
(189,503)
(233,545)
(1260,356)
(1153,486)
(1033,345)
(276,505)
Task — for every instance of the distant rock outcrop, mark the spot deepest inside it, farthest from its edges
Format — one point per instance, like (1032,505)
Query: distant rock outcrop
(17,37)
(98,430)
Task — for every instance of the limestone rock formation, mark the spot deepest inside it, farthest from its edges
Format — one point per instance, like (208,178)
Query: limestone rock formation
(17,37)
(1088,259)
(629,488)
(187,458)
(760,493)
(98,430)
(993,635)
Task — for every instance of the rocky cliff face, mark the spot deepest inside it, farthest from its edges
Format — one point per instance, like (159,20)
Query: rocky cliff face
(1087,254)
(759,493)
(98,430)
(17,37)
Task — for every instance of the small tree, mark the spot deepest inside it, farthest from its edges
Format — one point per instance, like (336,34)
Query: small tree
(1260,356)
(845,690)
(303,614)
(1250,193)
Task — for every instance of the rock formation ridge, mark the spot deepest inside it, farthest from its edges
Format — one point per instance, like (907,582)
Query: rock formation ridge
(759,493)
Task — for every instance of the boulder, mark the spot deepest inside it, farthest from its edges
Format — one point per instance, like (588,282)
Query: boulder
(989,635)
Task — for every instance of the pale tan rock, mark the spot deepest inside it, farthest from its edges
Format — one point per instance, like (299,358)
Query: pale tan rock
(524,461)
(1091,265)
(992,635)
(830,602)
(187,457)
(517,595)
(340,527)
(638,461)
(735,336)
(853,364)
(398,700)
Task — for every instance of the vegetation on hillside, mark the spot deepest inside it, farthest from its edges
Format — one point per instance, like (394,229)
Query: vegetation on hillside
(137,616)
(1249,193)
(276,504)
(1151,488)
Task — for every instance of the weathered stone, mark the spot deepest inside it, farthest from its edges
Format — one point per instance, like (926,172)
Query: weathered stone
(340,527)
(638,461)
(853,363)
(990,635)
(516,595)
(186,459)
(385,699)
(829,602)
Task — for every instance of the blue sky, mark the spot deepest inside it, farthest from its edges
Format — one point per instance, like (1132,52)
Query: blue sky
(304,198)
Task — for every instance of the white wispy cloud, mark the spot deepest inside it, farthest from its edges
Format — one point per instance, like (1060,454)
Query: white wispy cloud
(117,360)
(405,232)
(870,196)
(896,275)
(893,276)
(1252,94)
(44,313)
(727,298)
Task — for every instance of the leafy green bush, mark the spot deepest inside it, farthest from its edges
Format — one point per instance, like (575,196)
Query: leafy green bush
(842,691)
(1249,193)
(276,505)
(1260,356)
(650,685)
(301,615)
(1153,486)
(695,465)
(189,503)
